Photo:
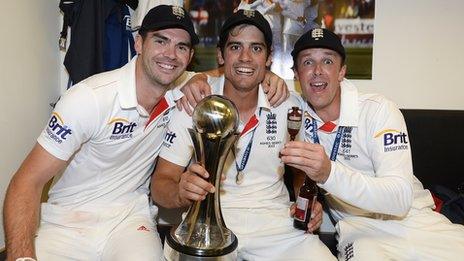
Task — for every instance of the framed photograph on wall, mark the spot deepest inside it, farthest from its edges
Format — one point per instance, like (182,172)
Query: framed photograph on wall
(352,20)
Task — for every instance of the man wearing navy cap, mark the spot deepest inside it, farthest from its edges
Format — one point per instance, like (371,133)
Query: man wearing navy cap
(254,200)
(103,137)
(357,149)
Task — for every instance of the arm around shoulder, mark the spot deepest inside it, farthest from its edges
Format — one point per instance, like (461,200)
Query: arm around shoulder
(22,201)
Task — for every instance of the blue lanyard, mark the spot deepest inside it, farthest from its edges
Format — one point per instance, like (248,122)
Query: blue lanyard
(246,154)
(336,145)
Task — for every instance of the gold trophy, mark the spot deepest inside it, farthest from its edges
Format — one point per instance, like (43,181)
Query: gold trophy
(203,235)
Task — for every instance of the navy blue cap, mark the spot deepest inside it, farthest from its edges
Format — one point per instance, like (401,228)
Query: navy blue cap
(168,16)
(319,38)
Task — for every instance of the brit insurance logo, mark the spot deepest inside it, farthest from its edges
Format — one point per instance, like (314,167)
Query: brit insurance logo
(121,128)
(393,140)
(57,130)
(169,138)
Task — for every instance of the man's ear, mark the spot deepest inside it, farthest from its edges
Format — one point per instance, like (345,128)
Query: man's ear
(269,58)
(138,44)
(295,73)
(341,73)
(192,52)
(219,56)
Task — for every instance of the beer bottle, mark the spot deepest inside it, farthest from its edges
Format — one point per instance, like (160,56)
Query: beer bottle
(308,192)
(305,203)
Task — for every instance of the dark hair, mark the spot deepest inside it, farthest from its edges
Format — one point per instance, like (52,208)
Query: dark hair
(143,34)
(235,30)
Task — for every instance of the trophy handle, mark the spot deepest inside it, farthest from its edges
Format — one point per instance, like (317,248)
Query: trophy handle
(228,145)
(198,147)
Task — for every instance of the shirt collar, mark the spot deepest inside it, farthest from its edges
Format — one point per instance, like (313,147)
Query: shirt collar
(126,89)
(172,96)
(263,102)
(349,108)
(164,104)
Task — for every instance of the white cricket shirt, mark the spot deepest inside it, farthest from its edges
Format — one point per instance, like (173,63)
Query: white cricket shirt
(110,140)
(372,175)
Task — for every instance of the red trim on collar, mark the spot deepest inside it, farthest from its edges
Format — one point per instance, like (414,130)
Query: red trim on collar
(328,126)
(252,122)
(158,110)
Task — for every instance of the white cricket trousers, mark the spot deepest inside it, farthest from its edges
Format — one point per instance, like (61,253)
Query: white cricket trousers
(269,235)
(422,235)
(124,232)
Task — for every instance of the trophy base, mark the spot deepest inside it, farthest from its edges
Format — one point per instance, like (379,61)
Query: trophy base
(173,251)
(171,254)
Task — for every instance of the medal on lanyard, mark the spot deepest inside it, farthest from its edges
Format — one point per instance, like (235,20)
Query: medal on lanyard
(244,161)
(246,155)
(338,137)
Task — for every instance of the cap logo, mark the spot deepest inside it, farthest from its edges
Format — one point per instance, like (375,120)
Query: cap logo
(178,12)
(249,13)
(317,33)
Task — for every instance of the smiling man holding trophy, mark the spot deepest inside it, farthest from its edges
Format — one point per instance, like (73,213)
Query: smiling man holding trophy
(253,198)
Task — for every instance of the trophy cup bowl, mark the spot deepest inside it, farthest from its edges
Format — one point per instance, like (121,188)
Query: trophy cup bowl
(203,235)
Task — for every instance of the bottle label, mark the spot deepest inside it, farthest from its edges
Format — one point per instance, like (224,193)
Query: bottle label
(294,125)
(301,209)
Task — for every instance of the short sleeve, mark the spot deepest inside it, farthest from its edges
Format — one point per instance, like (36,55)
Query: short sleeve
(177,144)
(72,122)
